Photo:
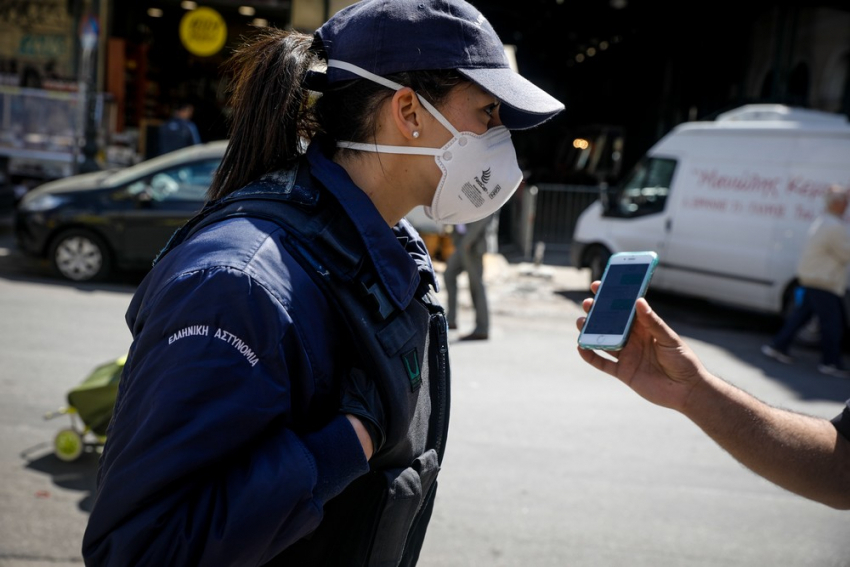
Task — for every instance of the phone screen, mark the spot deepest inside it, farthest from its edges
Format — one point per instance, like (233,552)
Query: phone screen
(613,305)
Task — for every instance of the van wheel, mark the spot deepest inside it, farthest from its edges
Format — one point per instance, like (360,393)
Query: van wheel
(596,259)
(80,255)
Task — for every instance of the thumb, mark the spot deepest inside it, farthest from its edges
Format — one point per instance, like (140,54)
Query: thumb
(655,325)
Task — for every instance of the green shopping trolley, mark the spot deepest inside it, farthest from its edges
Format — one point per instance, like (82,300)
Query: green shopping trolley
(90,407)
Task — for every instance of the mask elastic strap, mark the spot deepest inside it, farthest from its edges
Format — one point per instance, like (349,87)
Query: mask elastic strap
(380,148)
(394,86)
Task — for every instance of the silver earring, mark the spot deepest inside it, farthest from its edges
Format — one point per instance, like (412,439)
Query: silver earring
(416,133)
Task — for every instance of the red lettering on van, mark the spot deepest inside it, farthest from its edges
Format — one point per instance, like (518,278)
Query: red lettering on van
(806,187)
(746,182)
(774,210)
(804,213)
(717,205)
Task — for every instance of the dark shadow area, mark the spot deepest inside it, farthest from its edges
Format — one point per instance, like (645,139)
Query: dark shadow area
(126,283)
(801,377)
(79,475)
(120,282)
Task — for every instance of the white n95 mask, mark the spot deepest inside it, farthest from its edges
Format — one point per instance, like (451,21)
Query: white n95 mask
(480,171)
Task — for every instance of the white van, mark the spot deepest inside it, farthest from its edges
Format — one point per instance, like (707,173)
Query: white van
(726,204)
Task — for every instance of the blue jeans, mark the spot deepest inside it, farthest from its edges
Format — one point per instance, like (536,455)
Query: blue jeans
(829,308)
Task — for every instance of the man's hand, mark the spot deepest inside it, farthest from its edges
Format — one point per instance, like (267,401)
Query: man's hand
(803,454)
(655,362)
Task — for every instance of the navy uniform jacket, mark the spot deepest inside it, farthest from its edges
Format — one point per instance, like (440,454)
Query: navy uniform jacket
(226,440)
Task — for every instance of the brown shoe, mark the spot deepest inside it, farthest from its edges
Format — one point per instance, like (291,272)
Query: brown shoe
(475,337)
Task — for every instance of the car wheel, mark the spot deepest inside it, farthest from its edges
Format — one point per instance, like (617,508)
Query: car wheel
(597,258)
(80,256)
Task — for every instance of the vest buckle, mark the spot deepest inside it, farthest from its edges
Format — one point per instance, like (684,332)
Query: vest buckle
(379,299)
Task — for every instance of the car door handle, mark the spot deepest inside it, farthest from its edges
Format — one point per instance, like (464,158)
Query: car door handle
(668,224)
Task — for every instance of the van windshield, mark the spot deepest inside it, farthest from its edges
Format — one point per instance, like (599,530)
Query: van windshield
(644,191)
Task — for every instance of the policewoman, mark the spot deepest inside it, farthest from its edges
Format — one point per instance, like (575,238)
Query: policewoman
(285,399)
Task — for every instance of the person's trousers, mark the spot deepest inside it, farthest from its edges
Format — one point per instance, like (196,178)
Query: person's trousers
(471,261)
(829,309)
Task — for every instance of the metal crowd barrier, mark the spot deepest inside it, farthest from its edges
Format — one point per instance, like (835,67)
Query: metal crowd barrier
(547,214)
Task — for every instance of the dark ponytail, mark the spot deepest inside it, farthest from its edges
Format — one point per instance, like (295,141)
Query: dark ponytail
(270,118)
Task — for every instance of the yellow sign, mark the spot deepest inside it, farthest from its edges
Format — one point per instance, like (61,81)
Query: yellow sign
(203,31)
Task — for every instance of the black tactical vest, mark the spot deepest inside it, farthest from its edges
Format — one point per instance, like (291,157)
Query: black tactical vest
(380,519)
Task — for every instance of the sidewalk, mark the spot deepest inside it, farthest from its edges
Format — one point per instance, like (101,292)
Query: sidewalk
(501,274)
(520,289)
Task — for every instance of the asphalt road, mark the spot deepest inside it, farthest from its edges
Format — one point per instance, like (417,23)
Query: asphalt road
(549,462)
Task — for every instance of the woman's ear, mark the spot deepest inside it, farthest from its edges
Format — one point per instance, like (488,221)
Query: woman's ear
(407,113)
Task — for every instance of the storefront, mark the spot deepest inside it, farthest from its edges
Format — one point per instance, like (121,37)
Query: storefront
(45,48)
(173,51)
(38,46)
(152,65)
(93,79)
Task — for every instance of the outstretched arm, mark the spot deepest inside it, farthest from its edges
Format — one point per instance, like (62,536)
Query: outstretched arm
(803,454)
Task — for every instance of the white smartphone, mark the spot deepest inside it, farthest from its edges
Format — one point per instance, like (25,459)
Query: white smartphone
(626,278)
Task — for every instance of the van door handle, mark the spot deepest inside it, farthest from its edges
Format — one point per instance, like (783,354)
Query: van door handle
(668,224)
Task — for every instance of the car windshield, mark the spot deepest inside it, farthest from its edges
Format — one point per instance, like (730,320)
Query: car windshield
(185,182)
(159,163)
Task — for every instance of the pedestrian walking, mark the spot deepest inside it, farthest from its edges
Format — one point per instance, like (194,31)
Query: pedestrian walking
(822,273)
(179,131)
(470,245)
(285,400)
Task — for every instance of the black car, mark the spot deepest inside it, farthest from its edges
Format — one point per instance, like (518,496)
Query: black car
(89,224)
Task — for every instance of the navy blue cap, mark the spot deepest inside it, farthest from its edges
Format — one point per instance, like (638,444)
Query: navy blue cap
(394,36)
